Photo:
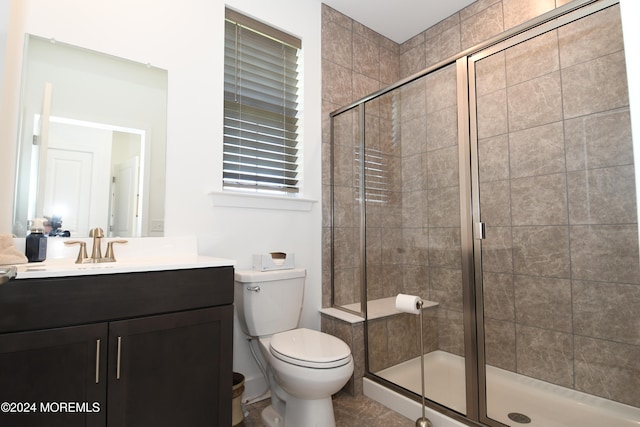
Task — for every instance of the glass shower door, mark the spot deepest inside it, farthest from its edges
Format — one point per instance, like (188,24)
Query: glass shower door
(412,192)
(558,266)
(347,212)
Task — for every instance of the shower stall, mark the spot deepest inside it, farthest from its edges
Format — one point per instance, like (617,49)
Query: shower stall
(500,186)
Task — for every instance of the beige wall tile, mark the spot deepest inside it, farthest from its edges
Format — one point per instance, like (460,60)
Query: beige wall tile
(336,81)
(330,15)
(493,157)
(591,37)
(543,302)
(539,200)
(441,87)
(609,311)
(363,85)
(500,347)
(337,44)
(412,172)
(377,334)
(595,86)
(442,167)
(415,279)
(537,151)
(366,57)
(413,101)
(476,7)
(497,250)
(535,102)
(416,245)
(444,247)
(444,207)
(403,337)
(603,196)
(412,61)
(541,251)
(545,355)
(389,66)
(607,253)
(533,58)
(599,140)
(495,205)
(442,128)
(481,26)
(498,296)
(608,369)
(492,114)
(443,45)
(412,205)
(519,11)
(490,74)
(451,331)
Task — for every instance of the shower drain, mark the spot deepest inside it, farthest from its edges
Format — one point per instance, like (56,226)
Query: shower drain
(519,418)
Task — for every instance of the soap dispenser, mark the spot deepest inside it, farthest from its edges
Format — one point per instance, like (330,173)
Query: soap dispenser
(36,245)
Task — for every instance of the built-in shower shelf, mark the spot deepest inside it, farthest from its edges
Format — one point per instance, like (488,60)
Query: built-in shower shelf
(376,309)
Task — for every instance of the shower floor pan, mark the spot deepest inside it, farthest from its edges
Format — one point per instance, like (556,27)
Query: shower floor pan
(546,405)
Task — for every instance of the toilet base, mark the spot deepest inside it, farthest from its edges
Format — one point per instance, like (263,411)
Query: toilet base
(270,417)
(308,413)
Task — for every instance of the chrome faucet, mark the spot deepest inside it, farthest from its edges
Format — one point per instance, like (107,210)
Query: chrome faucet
(96,252)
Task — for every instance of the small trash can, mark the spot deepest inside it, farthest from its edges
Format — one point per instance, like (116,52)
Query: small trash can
(237,416)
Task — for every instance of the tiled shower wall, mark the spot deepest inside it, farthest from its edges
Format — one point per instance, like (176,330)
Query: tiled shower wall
(557,193)
(357,61)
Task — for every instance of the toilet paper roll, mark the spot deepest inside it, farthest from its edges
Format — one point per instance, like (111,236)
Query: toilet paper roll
(408,303)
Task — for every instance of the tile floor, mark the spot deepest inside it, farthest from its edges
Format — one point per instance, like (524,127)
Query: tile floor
(349,411)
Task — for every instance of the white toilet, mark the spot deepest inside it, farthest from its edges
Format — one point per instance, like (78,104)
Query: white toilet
(305,367)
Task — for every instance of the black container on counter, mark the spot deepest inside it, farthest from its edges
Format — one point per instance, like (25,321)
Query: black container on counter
(36,244)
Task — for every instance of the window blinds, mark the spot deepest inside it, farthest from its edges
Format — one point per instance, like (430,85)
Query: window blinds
(260,107)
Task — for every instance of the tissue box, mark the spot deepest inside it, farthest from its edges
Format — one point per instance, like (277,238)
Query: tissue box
(273,261)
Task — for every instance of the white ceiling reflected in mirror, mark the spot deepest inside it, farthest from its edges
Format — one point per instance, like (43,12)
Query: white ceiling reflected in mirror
(92,143)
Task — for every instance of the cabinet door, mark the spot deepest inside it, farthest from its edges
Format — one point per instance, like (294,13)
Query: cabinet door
(54,377)
(172,369)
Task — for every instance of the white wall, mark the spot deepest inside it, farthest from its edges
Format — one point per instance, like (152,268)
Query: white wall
(630,10)
(4,27)
(187,39)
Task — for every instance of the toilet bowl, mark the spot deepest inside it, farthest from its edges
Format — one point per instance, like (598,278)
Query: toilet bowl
(309,367)
(304,367)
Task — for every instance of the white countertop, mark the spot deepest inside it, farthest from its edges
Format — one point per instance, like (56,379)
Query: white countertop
(138,255)
(55,268)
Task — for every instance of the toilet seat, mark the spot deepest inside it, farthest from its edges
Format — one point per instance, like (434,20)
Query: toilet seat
(310,349)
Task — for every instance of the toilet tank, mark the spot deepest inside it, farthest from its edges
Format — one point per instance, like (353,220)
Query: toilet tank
(268,302)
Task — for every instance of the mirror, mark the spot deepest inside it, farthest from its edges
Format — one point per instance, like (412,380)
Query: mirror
(91,143)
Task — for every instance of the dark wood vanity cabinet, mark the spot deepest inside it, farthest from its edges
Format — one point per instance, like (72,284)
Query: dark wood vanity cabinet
(169,369)
(157,355)
(39,370)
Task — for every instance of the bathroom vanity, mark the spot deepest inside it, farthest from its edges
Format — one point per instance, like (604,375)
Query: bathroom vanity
(127,348)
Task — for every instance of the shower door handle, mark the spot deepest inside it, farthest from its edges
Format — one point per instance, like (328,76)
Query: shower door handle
(479,231)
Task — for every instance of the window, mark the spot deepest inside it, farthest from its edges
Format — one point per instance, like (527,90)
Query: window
(261,147)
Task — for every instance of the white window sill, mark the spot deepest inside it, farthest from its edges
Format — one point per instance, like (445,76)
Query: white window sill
(260,201)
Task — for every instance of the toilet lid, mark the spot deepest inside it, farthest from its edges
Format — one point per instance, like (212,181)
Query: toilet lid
(309,348)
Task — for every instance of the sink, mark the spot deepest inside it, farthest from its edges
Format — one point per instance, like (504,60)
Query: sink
(140,254)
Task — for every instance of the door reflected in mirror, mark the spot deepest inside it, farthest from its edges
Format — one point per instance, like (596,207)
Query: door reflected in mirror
(91,149)
(85,159)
